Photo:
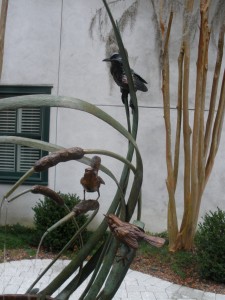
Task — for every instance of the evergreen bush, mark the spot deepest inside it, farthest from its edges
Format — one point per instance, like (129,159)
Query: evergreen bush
(210,243)
(47,213)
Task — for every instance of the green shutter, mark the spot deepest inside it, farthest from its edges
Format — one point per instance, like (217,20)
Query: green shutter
(29,121)
(15,160)
(7,121)
(7,157)
(26,157)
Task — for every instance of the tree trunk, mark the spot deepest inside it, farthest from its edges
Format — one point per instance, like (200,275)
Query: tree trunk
(3,17)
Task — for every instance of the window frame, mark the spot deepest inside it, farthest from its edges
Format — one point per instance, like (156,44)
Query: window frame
(8,90)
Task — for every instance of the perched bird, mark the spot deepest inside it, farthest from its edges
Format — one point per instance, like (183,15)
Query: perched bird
(120,77)
(91,181)
(130,234)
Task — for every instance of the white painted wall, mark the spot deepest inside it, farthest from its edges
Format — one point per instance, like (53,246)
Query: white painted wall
(48,42)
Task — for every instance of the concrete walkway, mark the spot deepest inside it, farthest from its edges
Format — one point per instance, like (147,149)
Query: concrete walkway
(17,276)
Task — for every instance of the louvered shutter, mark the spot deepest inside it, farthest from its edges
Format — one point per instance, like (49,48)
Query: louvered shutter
(8,121)
(22,121)
(26,158)
(7,151)
(33,123)
(7,157)
(29,121)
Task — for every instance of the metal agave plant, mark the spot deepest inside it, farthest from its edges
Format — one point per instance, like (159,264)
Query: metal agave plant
(102,263)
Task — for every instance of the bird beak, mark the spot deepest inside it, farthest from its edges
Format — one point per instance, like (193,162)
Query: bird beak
(107,59)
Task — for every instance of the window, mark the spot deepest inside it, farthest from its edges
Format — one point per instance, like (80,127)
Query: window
(33,123)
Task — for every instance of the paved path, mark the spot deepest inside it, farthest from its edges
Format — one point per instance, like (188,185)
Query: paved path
(17,276)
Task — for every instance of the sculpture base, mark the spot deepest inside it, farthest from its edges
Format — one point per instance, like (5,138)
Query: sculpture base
(22,297)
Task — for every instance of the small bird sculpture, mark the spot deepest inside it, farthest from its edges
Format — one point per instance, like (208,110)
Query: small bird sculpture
(130,234)
(91,181)
(120,77)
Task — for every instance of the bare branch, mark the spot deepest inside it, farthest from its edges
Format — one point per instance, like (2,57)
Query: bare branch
(185,46)
(214,89)
(172,216)
(201,158)
(3,17)
(216,131)
(179,116)
(197,114)
(217,17)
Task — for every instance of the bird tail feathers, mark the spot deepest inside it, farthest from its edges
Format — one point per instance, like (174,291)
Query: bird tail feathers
(154,240)
(95,162)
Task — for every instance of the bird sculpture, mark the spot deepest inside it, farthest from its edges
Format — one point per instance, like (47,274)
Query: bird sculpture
(91,181)
(120,77)
(130,234)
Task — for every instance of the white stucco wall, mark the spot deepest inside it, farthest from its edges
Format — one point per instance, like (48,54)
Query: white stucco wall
(48,42)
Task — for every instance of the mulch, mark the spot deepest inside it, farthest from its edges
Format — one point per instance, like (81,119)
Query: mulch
(156,268)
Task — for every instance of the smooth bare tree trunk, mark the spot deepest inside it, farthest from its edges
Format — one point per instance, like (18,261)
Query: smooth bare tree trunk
(3,17)
(170,182)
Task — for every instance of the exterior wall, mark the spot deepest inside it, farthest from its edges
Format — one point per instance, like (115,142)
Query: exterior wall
(48,42)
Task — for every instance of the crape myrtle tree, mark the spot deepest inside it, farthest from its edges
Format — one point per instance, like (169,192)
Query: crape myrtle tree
(202,23)
(200,139)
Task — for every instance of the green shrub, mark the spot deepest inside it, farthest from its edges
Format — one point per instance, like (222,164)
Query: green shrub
(48,213)
(210,243)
